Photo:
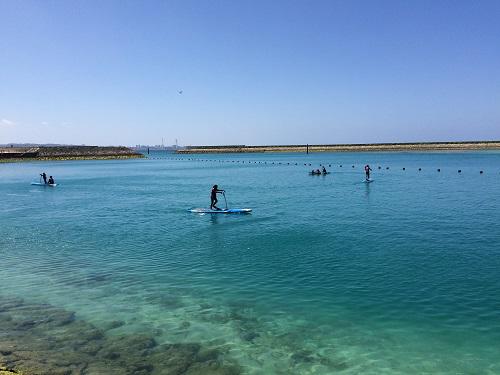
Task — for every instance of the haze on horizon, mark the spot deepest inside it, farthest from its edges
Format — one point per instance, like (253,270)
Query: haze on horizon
(249,72)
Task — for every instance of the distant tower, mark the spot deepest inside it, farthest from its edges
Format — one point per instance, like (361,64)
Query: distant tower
(176,144)
(162,145)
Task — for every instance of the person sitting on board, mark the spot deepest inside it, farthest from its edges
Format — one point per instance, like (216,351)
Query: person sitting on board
(51,181)
(213,197)
(44,176)
(324,170)
(367,172)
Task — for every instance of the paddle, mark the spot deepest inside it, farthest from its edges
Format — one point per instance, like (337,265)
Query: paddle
(225,200)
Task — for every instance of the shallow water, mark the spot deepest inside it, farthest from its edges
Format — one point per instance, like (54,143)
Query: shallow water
(327,274)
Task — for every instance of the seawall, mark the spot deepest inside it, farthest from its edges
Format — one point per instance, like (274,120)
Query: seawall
(369,147)
(12,154)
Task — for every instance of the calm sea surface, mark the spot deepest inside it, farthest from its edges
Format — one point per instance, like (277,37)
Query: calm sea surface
(328,274)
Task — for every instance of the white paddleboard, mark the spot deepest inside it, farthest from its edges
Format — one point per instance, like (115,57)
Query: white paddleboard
(42,184)
(228,211)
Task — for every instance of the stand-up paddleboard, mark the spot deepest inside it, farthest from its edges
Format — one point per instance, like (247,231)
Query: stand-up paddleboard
(368,181)
(318,174)
(42,184)
(223,211)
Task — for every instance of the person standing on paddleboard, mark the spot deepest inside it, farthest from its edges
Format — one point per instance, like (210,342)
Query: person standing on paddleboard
(44,176)
(367,172)
(213,197)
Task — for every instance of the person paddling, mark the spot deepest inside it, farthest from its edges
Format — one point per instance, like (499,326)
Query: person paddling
(44,176)
(213,197)
(367,172)
(324,170)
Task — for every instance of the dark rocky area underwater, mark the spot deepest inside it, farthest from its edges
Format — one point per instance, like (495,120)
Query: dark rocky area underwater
(41,339)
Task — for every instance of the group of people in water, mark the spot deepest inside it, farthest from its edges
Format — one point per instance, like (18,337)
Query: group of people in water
(50,181)
(324,171)
(317,171)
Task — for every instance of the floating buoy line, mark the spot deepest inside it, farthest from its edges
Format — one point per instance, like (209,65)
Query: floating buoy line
(266,162)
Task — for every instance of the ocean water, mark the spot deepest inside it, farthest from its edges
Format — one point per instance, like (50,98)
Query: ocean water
(327,275)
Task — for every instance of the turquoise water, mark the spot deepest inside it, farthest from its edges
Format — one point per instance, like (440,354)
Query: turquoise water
(328,274)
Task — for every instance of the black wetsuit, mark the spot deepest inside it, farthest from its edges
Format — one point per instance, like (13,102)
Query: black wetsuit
(367,171)
(213,198)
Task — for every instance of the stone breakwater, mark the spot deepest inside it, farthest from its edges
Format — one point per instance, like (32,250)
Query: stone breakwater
(9,154)
(373,147)
(41,339)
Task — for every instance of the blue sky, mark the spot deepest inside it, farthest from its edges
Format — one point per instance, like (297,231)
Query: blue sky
(251,72)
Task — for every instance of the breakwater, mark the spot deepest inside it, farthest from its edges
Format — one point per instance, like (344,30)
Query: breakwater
(11,154)
(367,147)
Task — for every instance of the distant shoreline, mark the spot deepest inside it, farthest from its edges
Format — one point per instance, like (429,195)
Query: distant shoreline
(372,147)
(51,153)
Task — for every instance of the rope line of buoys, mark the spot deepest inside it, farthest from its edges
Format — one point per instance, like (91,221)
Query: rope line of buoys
(276,163)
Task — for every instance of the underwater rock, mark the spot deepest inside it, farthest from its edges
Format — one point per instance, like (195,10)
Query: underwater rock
(41,368)
(25,324)
(5,351)
(91,347)
(250,336)
(136,343)
(174,358)
(339,366)
(302,356)
(5,317)
(114,324)
(110,355)
(45,340)
(83,332)
(208,355)
(103,368)
(212,369)
(60,317)
(10,303)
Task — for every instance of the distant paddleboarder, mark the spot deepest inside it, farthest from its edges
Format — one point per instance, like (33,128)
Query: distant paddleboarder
(44,176)
(367,172)
(51,181)
(213,197)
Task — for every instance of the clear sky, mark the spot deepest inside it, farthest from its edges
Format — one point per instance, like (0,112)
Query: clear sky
(251,72)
